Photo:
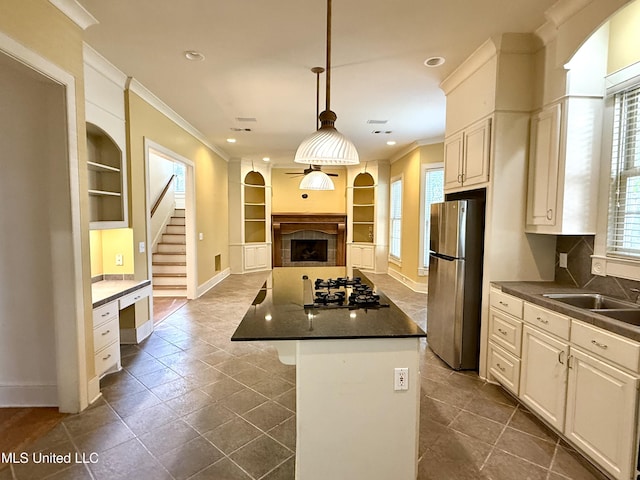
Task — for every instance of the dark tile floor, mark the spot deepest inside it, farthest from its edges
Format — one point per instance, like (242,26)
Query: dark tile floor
(189,404)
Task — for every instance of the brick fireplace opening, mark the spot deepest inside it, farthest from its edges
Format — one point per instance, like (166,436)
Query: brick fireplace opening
(309,239)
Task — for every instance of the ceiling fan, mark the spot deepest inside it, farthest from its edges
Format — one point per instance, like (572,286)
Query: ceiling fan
(311,168)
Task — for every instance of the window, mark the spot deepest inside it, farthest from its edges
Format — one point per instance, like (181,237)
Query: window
(395,223)
(623,232)
(433,193)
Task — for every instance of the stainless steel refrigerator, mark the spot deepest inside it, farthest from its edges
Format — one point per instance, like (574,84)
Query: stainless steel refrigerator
(455,281)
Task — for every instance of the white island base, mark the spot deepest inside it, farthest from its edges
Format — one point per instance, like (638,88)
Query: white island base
(351,423)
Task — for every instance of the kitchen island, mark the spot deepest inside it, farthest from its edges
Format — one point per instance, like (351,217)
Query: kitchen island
(352,420)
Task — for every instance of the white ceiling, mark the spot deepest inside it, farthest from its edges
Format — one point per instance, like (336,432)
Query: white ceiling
(259,55)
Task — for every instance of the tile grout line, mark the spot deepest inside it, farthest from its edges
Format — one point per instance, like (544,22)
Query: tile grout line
(495,445)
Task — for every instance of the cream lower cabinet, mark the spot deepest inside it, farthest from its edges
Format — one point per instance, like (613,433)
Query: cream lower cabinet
(580,379)
(256,256)
(106,338)
(543,375)
(363,256)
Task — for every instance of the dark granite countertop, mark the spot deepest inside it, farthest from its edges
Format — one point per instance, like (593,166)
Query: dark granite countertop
(278,312)
(107,291)
(532,292)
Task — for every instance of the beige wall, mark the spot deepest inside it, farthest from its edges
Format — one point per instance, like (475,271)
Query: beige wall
(287,197)
(212,207)
(410,168)
(624,38)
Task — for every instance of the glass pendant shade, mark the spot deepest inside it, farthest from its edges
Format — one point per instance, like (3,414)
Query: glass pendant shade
(327,146)
(316,180)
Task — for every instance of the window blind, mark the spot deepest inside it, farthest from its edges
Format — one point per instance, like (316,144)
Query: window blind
(623,236)
(395,224)
(434,193)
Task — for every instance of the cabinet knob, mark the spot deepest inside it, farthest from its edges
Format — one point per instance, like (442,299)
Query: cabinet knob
(106,314)
(106,333)
(560,357)
(542,320)
(107,357)
(504,304)
(503,332)
(550,214)
(502,369)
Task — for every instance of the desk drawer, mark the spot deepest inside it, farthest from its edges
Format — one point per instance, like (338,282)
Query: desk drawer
(107,358)
(505,331)
(506,303)
(547,320)
(504,367)
(105,334)
(618,349)
(133,297)
(105,313)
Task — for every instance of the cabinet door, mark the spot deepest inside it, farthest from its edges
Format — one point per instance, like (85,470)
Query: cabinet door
(543,167)
(477,150)
(543,379)
(601,413)
(255,256)
(453,161)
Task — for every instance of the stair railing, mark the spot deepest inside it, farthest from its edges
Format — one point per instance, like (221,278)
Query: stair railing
(164,192)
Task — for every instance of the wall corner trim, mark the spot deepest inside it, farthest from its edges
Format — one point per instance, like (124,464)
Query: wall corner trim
(76,12)
(143,92)
(212,282)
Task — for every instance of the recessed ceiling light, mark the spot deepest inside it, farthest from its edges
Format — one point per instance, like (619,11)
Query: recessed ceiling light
(193,55)
(391,142)
(231,140)
(434,61)
(266,159)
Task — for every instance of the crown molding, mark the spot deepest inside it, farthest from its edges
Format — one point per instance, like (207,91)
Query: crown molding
(477,59)
(96,61)
(136,87)
(556,15)
(76,12)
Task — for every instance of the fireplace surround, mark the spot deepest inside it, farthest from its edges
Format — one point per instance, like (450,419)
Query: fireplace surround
(328,223)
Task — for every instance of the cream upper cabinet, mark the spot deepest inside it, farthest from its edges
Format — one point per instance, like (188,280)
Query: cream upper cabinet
(543,375)
(466,157)
(564,166)
(543,167)
(601,413)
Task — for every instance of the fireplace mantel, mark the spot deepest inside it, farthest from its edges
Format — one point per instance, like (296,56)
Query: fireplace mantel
(331,223)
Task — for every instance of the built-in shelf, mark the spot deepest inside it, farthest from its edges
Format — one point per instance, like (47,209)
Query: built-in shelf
(254,208)
(363,211)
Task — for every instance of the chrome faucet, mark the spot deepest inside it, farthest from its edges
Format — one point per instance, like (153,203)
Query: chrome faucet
(637,291)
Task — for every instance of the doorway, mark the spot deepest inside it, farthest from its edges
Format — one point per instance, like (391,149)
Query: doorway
(42,334)
(171,229)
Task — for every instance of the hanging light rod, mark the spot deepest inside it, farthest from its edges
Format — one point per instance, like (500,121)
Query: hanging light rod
(327,146)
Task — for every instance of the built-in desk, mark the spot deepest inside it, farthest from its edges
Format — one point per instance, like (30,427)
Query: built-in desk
(351,423)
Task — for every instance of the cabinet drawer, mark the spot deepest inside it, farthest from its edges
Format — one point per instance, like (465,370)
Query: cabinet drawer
(506,303)
(547,320)
(107,358)
(610,346)
(105,334)
(504,367)
(505,331)
(133,297)
(104,313)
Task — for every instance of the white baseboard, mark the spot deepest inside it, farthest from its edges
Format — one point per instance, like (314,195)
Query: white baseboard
(418,287)
(133,336)
(28,395)
(93,389)
(212,282)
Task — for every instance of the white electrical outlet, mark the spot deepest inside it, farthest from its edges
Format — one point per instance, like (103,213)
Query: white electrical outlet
(401,379)
(201,236)
(562,260)
(141,247)
(119,260)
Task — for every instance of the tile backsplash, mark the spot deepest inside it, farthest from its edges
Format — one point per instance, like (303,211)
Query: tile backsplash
(578,272)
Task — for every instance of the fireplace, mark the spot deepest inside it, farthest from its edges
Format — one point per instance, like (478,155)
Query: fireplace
(309,250)
(309,239)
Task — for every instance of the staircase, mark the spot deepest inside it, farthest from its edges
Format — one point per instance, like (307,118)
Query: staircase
(169,263)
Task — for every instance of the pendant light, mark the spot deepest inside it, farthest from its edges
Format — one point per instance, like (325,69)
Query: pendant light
(327,146)
(316,179)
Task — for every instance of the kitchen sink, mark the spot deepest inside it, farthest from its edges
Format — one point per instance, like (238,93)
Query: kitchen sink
(594,301)
(630,316)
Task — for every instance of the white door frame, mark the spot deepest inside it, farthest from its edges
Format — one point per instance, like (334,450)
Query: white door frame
(190,212)
(69,309)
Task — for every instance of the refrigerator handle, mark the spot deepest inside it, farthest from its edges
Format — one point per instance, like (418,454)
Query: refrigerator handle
(442,256)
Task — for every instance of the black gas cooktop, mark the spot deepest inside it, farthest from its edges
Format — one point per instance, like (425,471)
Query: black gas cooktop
(341,292)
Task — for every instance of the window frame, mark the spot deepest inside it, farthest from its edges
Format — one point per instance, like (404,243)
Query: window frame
(395,259)
(604,263)
(423,267)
